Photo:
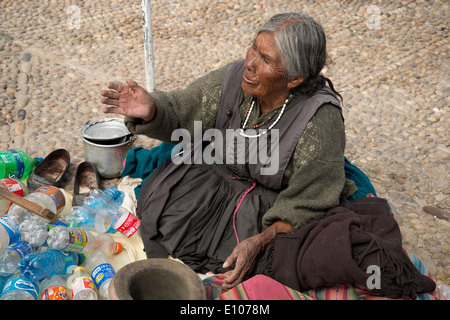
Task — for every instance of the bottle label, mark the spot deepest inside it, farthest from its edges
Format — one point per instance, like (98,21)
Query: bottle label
(13,186)
(130,225)
(20,284)
(82,283)
(14,164)
(14,236)
(55,292)
(101,273)
(77,240)
(56,195)
(21,247)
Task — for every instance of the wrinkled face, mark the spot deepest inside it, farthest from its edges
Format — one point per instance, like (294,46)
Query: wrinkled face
(264,73)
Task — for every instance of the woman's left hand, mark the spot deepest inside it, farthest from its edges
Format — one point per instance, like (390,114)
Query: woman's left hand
(244,256)
(245,253)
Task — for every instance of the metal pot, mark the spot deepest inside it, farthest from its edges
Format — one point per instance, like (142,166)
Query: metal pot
(106,143)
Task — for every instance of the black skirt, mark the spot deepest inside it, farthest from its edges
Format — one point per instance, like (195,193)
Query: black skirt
(198,213)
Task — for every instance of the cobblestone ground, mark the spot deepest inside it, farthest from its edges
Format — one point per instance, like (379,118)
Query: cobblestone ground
(389,61)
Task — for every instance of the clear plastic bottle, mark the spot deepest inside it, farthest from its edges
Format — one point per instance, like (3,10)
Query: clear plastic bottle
(102,272)
(78,240)
(121,219)
(36,234)
(3,280)
(115,194)
(54,288)
(10,256)
(16,164)
(87,218)
(8,235)
(81,285)
(19,287)
(445,291)
(13,186)
(48,197)
(37,266)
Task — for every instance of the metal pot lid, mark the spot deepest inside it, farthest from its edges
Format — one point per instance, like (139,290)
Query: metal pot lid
(104,129)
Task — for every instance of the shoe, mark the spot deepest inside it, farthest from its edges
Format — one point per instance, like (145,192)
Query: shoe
(50,171)
(86,180)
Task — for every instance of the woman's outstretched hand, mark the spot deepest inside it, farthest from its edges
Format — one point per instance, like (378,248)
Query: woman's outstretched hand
(131,100)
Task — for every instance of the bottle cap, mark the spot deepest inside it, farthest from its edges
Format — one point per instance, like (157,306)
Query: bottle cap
(118,248)
(81,257)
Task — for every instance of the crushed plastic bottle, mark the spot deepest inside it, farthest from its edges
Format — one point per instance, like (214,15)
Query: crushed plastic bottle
(48,197)
(10,256)
(13,186)
(78,240)
(19,287)
(36,233)
(8,235)
(121,219)
(81,285)
(114,193)
(37,266)
(54,288)
(102,272)
(16,164)
(86,218)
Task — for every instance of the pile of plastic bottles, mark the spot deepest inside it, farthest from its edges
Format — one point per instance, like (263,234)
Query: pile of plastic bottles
(66,260)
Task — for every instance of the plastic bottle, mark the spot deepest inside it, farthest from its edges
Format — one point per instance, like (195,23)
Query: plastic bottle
(16,164)
(19,287)
(121,219)
(10,256)
(81,285)
(115,194)
(8,234)
(102,272)
(13,186)
(445,291)
(36,233)
(78,240)
(87,218)
(48,197)
(37,266)
(3,280)
(54,288)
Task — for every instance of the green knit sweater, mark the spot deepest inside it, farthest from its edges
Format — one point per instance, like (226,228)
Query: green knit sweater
(314,179)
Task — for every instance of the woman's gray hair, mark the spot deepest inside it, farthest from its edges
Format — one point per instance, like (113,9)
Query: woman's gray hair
(302,45)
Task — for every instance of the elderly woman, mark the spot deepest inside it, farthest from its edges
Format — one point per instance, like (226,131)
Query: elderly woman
(220,216)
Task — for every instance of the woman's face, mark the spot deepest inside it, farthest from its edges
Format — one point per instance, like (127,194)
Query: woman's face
(264,73)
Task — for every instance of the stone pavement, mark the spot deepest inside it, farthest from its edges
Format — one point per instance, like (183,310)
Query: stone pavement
(389,61)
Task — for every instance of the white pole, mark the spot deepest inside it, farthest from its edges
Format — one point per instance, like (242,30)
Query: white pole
(148,45)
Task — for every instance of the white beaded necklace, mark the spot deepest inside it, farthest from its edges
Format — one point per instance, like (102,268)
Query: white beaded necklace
(271,126)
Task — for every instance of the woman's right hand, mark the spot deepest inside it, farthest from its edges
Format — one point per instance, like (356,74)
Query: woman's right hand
(132,100)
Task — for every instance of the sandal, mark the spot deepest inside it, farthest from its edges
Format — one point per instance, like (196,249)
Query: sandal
(50,171)
(86,180)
